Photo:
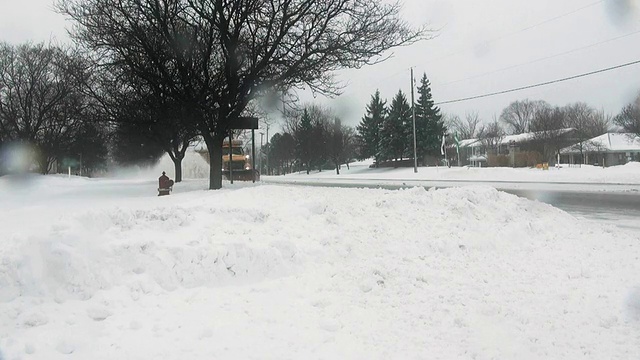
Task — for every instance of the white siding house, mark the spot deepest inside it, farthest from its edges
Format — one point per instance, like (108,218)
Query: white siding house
(605,150)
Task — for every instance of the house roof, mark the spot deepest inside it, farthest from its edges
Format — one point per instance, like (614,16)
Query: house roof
(518,138)
(609,142)
(468,142)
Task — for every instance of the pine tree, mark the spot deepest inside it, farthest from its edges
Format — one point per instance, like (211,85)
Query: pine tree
(395,135)
(429,123)
(370,126)
(319,143)
(304,141)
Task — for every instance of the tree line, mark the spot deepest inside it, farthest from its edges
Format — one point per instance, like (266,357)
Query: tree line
(315,138)
(43,110)
(156,72)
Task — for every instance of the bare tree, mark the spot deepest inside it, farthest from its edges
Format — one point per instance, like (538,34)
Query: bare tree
(602,122)
(519,115)
(217,56)
(587,122)
(141,111)
(40,100)
(629,117)
(340,143)
(156,117)
(549,131)
(335,143)
(349,141)
(468,128)
(492,136)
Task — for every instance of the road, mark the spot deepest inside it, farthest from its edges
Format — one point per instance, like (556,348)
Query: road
(620,207)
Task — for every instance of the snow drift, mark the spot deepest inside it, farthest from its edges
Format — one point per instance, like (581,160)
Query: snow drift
(295,272)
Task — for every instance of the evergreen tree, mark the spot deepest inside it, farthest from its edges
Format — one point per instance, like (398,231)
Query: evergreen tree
(319,143)
(303,138)
(395,136)
(429,122)
(370,127)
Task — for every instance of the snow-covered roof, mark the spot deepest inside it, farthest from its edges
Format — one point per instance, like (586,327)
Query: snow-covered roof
(609,142)
(524,137)
(518,138)
(478,158)
(468,142)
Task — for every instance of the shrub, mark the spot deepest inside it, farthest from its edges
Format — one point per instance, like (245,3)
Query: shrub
(498,161)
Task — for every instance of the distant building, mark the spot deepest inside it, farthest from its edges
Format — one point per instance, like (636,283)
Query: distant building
(605,150)
(473,153)
(476,152)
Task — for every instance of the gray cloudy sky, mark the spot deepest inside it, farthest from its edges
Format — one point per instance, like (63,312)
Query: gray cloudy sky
(476,41)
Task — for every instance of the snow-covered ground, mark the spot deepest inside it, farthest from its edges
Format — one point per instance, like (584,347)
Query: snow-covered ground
(585,178)
(104,269)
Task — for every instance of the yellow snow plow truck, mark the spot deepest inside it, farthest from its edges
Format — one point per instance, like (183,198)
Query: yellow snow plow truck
(240,162)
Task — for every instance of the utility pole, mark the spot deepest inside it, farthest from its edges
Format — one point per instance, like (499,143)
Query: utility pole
(253,154)
(230,156)
(413,116)
(267,153)
(261,154)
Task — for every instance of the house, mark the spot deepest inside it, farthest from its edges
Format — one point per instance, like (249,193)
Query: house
(472,153)
(512,148)
(605,150)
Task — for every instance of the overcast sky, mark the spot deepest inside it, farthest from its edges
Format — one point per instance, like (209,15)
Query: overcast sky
(476,41)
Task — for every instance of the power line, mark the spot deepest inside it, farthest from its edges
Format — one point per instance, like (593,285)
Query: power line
(494,39)
(561,16)
(520,30)
(539,84)
(540,59)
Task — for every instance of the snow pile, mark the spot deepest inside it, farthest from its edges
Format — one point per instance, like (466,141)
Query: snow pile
(274,272)
(202,245)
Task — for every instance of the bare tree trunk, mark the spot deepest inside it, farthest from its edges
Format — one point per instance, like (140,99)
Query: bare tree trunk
(177,163)
(45,165)
(214,148)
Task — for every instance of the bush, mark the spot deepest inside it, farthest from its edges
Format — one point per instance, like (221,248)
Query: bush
(522,159)
(498,161)
(528,159)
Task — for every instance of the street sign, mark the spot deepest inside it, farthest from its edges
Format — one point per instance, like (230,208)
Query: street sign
(244,123)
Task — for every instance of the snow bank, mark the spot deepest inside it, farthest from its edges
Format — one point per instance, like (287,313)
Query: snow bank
(274,272)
